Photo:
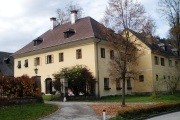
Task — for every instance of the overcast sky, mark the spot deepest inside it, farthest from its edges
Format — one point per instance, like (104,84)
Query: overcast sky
(21,21)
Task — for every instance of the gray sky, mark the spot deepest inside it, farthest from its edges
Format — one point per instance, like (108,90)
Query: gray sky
(21,21)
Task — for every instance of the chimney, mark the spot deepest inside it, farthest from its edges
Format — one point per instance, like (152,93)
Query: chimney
(73,16)
(55,23)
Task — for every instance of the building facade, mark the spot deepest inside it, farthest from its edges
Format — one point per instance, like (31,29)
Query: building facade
(80,42)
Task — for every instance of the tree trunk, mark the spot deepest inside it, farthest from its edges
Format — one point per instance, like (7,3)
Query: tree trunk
(123,92)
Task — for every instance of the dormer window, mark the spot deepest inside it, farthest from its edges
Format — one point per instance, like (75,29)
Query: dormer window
(7,60)
(38,41)
(175,51)
(70,32)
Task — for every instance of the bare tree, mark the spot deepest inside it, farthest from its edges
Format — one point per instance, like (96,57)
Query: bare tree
(125,15)
(75,6)
(64,15)
(170,9)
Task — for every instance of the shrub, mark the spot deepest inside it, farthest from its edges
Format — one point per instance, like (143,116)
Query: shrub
(80,79)
(17,87)
(148,110)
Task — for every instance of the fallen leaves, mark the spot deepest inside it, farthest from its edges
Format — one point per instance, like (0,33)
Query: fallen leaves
(113,108)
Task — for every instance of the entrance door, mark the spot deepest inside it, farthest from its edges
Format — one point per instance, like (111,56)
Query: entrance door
(38,84)
(48,86)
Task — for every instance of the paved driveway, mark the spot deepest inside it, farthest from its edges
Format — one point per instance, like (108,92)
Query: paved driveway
(170,116)
(72,111)
(82,111)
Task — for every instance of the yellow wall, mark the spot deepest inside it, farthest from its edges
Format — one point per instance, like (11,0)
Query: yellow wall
(167,71)
(46,70)
(145,66)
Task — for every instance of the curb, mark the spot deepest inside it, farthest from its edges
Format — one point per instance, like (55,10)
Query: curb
(155,115)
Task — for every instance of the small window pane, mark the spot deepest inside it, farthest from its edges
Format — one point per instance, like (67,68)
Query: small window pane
(156,60)
(157,77)
(141,78)
(129,84)
(102,52)
(106,82)
(112,54)
(61,57)
(170,63)
(19,64)
(36,61)
(162,62)
(118,83)
(78,54)
(26,63)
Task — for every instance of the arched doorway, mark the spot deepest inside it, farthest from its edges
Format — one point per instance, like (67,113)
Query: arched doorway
(48,85)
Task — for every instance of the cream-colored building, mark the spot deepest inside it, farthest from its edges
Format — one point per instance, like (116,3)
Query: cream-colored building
(80,42)
(159,65)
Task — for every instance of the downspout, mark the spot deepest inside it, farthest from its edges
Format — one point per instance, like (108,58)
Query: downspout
(97,55)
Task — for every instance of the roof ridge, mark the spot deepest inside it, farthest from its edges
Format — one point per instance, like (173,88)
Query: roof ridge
(91,25)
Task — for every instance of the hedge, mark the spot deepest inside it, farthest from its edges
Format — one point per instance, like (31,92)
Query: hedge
(148,110)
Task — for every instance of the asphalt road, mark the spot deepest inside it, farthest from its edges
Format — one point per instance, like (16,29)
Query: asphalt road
(72,111)
(170,116)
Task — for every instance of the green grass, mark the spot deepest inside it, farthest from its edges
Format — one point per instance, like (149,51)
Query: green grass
(140,98)
(26,112)
(49,97)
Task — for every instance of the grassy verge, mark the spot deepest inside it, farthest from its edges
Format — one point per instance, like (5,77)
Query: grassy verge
(50,97)
(140,98)
(26,112)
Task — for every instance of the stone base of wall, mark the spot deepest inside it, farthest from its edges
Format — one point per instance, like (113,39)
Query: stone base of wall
(20,101)
(142,93)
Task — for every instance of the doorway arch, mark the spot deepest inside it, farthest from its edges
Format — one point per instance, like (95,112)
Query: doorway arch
(48,83)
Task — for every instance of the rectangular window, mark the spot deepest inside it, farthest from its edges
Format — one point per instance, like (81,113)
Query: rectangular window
(170,63)
(162,62)
(156,60)
(78,54)
(176,63)
(128,57)
(49,59)
(129,84)
(169,77)
(61,57)
(106,83)
(111,54)
(19,64)
(102,52)
(141,78)
(118,84)
(26,63)
(122,56)
(172,77)
(36,61)
(164,77)
(157,77)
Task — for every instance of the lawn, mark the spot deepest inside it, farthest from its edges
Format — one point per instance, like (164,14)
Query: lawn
(26,112)
(129,98)
(50,97)
(140,98)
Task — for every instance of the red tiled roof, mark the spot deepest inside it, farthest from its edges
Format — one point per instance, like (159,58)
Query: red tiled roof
(84,28)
